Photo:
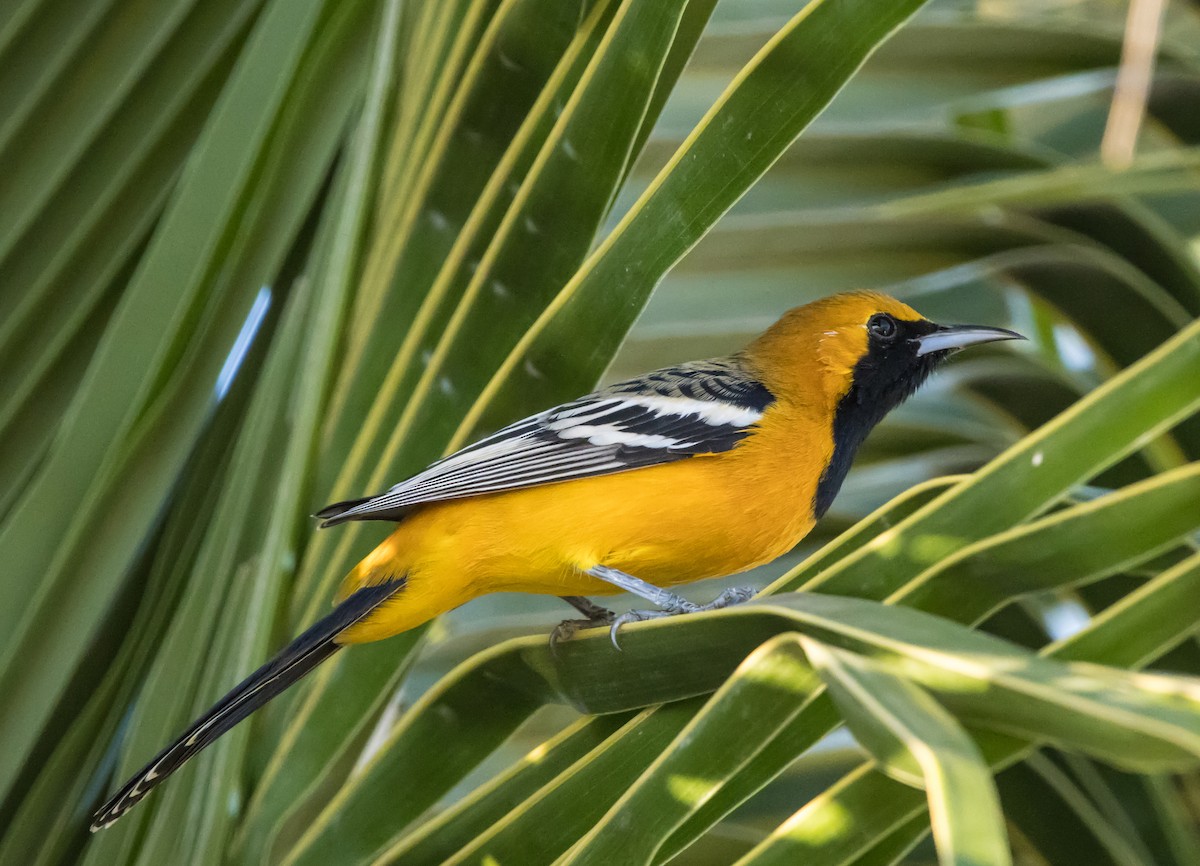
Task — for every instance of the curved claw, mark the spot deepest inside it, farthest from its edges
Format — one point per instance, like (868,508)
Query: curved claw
(566,629)
(728,598)
(635,616)
(614,628)
(628,616)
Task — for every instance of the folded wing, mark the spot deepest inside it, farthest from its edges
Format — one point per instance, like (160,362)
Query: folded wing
(699,408)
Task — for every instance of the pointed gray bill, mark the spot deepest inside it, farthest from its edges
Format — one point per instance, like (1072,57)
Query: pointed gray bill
(951,338)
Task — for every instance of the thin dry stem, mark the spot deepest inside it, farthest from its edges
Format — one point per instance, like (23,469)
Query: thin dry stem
(1143,28)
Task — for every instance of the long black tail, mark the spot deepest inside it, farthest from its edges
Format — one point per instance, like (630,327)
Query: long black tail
(290,665)
(331,515)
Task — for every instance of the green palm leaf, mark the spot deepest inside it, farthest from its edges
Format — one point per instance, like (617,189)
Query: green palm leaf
(260,255)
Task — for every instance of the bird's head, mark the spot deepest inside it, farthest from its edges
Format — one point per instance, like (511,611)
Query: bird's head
(861,349)
(848,360)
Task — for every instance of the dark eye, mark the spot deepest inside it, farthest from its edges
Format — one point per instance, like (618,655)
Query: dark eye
(882,325)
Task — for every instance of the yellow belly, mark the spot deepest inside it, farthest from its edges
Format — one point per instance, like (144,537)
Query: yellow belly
(679,522)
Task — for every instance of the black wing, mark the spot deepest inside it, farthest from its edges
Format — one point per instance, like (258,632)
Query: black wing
(699,408)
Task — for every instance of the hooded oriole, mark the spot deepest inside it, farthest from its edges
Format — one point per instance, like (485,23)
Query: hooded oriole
(704,469)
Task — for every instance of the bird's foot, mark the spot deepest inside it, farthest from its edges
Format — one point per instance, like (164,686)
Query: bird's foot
(566,629)
(733,595)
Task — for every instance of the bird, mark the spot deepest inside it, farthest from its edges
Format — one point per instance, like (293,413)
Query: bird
(704,469)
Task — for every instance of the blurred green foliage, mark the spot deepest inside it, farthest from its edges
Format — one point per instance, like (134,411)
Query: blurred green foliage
(258,255)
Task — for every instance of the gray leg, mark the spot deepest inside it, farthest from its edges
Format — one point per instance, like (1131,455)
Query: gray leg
(588,608)
(669,603)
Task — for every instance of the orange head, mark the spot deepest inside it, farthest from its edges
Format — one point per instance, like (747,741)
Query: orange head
(849,359)
(861,343)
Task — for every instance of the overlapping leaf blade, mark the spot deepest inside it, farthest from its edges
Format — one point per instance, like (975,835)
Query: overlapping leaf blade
(915,740)
(148,417)
(983,208)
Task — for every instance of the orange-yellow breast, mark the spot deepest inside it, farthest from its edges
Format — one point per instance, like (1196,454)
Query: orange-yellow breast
(678,522)
(699,517)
